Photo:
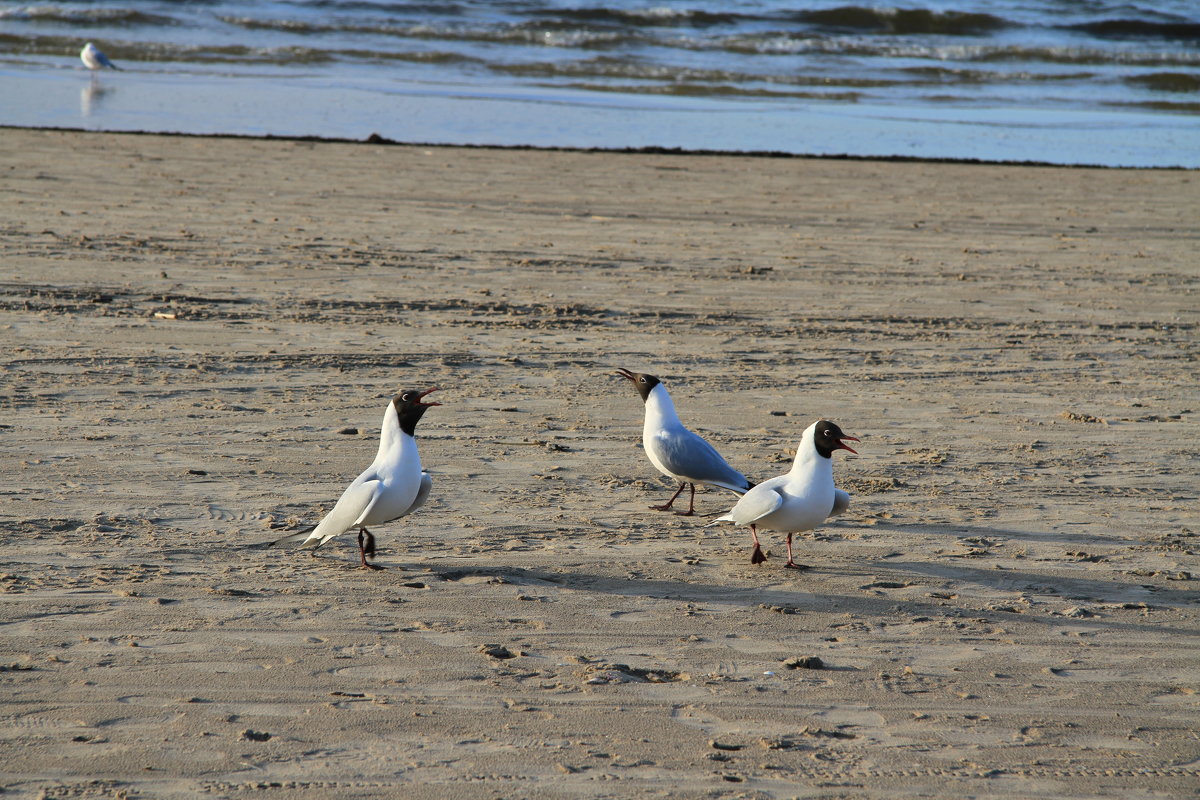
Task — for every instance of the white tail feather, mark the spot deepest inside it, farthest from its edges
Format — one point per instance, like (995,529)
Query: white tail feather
(298,539)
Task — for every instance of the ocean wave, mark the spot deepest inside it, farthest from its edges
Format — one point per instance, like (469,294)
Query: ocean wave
(398,9)
(1159,105)
(1091,55)
(1182,30)
(1167,81)
(846,30)
(639,23)
(711,90)
(903,21)
(658,16)
(296,56)
(622,70)
(640,75)
(547,34)
(843,18)
(782,43)
(953,75)
(86,17)
(1040,52)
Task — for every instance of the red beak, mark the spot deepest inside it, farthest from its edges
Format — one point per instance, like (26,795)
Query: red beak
(843,446)
(422,395)
(624,373)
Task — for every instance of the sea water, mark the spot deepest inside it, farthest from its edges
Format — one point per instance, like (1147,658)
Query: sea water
(1056,81)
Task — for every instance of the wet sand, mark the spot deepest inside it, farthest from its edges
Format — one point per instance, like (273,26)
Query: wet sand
(200,337)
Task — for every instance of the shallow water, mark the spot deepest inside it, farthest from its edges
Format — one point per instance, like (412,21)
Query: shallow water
(1064,82)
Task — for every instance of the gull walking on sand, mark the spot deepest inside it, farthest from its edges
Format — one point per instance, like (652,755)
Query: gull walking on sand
(677,452)
(800,500)
(392,487)
(93,59)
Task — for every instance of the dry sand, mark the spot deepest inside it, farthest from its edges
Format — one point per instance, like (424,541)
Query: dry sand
(190,326)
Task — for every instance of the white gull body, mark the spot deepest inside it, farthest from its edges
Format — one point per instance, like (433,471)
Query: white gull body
(676,451)
(800,500)
(93,59)
(392,487)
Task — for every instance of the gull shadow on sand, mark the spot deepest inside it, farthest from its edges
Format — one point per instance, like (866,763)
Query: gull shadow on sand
(813,599)
(812,593)
(1089,590)
(959,531)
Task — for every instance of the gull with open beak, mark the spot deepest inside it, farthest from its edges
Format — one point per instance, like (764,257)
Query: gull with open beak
(392,487)
(800,500)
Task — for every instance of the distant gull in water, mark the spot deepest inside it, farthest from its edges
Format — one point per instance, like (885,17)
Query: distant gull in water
(677,452)
(392,487)
(800,500)
(94,59)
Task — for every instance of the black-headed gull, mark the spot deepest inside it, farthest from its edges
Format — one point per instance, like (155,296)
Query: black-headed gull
(677,452)
(800,500)
(94,59)
(390,488)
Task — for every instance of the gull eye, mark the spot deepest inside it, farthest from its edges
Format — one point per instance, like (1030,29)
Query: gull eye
(406,396)
(643,380)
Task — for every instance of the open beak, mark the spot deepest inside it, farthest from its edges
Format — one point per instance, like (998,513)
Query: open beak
(843,446)
(422,395)
(626,374)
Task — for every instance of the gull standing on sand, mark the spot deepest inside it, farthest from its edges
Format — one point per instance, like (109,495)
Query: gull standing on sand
(677,452)
(93,59)
(393,486)
(800,500)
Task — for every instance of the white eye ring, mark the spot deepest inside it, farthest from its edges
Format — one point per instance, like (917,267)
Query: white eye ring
(406,396)
(643,380)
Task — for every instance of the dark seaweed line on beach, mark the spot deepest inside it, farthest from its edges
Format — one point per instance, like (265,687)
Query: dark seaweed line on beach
(376,139)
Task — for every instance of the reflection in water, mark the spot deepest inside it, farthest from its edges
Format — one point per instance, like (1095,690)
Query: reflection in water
(92,96)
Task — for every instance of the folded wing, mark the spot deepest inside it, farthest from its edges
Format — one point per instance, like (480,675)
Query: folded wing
(754,505)
(350,508)
(687,455)
(841,501)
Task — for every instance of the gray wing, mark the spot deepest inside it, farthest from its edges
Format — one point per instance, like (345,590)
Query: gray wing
(686,454)
(841,501)
(423,493)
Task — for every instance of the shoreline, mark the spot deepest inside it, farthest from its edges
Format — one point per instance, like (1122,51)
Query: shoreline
(472,115)
(201,335)
(376,139)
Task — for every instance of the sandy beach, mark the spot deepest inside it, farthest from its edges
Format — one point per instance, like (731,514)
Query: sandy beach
(200,336)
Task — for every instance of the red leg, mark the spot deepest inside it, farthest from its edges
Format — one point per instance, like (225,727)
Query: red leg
(757,556)
(366,546)
(667,506)
(792,564)
(691,505)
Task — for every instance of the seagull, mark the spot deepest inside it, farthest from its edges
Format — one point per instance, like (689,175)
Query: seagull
(800,500)
(93,59)
(393,486)
(677,452)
